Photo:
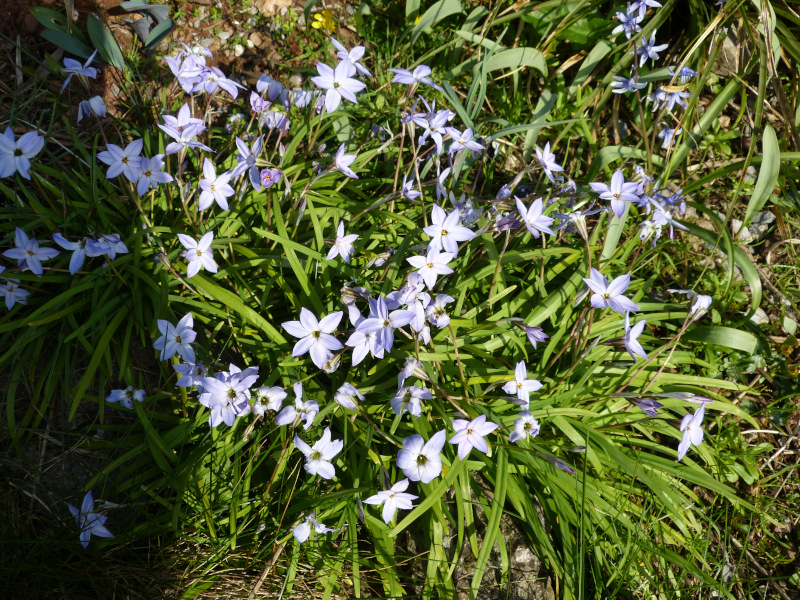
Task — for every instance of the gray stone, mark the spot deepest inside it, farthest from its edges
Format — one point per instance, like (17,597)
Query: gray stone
(206,42)
(225,35)
(238,50)
(295,80)
(760,317)
(255,39)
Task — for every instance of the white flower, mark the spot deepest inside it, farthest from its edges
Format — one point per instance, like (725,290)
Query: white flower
(437,314)
(525,426)
(199,255)
(15,155)
(432,265)
(346,396)
(407,399)
(176,339)
(126,396)
(28,253)
(269,398)
(303,411)
(303,530)
(319,456)
(522,386)
(214,188)
(127,161)
(393,499)
(343,246)
(315,335)
(692,428)
(343,161)
(445,232)
(420,461)
(13,293)
(470,434)
(632,344)
(93,106)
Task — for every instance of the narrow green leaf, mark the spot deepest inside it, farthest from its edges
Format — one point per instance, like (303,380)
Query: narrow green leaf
(437,12)
(723,336)
(767,174)
(105,42)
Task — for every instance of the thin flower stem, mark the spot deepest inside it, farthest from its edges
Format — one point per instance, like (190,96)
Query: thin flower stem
(673,344)
(499,261)
(458,360)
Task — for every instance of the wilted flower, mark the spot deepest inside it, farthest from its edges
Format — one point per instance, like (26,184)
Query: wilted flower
(92,107)
(649,406)
(535,335)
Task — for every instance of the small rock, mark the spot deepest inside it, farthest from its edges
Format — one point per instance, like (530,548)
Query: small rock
(253,10)
(295,80)
(206,42)
(196,24)
(250,23)
(760,317)
(217,4)
(284,10)
(250,44)
(180,22)
(301,21)
(255,39)
(238,50)
(350,10)
(225,35)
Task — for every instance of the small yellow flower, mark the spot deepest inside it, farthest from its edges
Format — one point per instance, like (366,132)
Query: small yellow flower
(324,19)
